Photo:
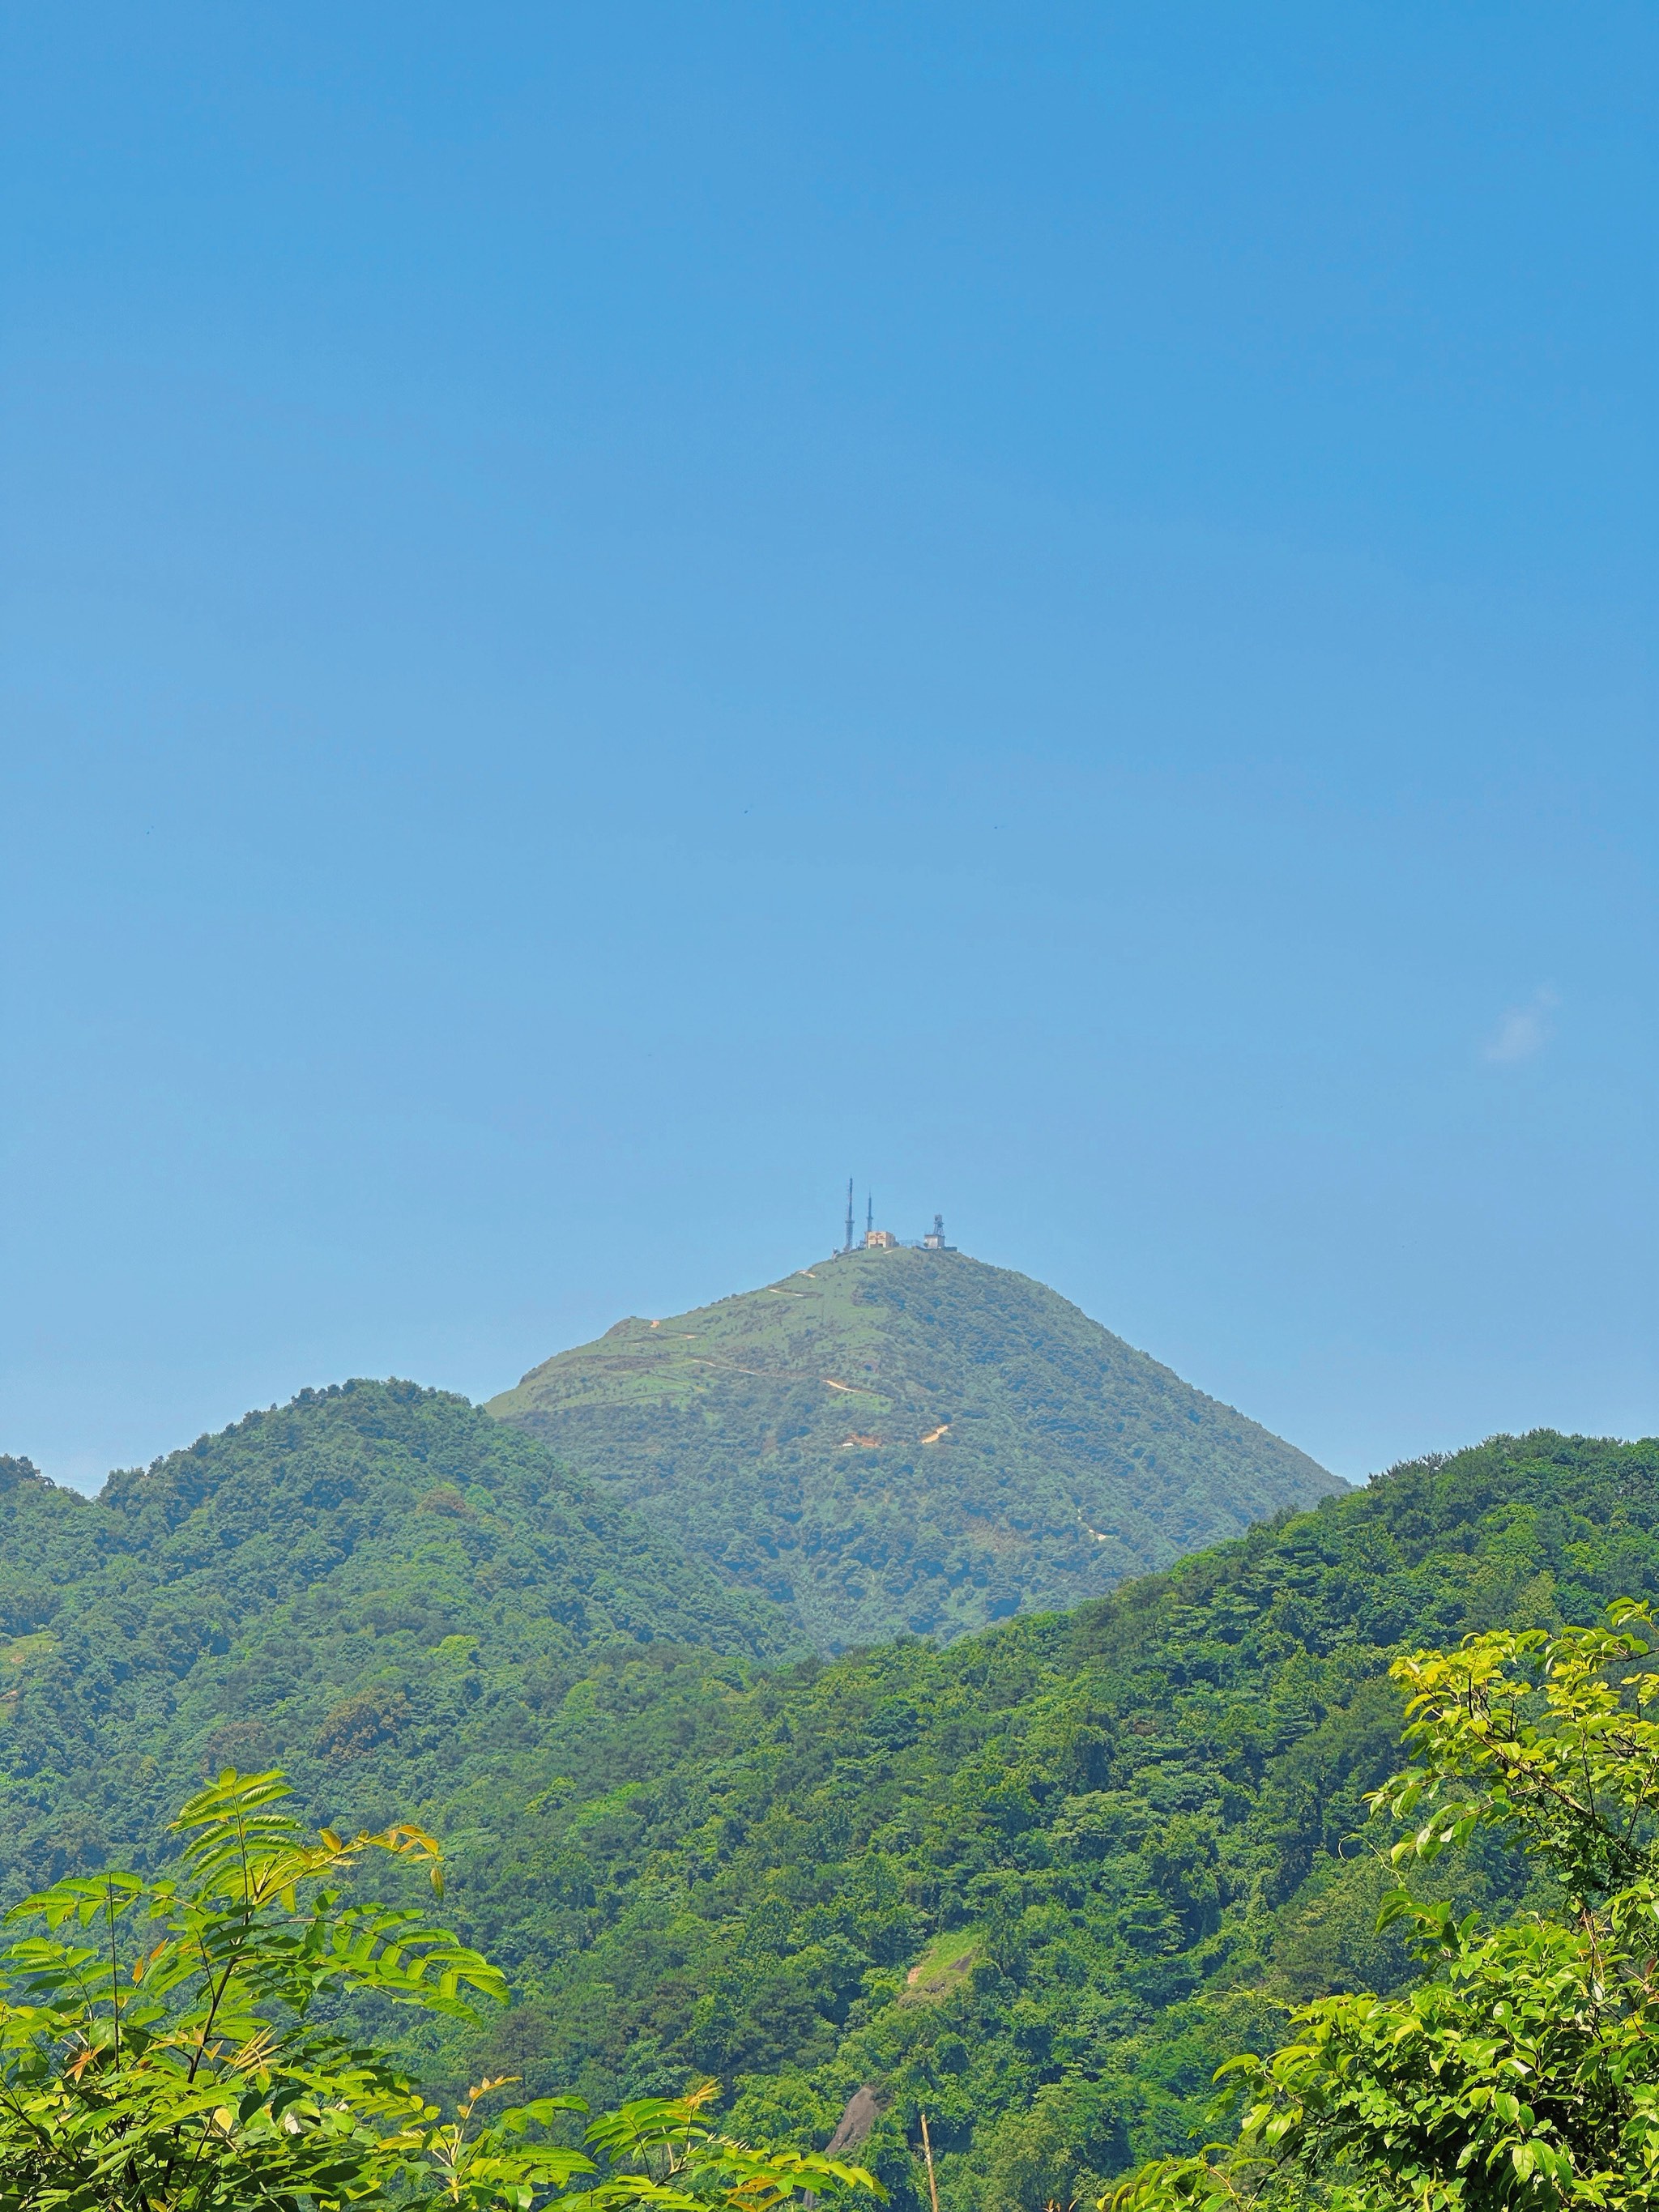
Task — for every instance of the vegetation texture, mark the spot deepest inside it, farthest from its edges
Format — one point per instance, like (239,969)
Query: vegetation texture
(345,1585)
(1038,1883)
(903,1442)
(1042,1883)
(163,2049)
(1522,2068)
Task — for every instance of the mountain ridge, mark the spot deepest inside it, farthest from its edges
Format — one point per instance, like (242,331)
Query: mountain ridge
(373,1567)
(898,1441)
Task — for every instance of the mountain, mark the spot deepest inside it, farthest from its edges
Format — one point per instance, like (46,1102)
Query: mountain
(376,1586)
(1038,1883)
(903,1441)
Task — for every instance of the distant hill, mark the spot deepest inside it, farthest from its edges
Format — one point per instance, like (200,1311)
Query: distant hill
(372,1574)
(897,1441)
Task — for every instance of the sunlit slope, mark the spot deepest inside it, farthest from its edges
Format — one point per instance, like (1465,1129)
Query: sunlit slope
(906,1440)
(373,1576)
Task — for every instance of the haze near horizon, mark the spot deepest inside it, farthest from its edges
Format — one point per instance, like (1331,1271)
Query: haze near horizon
(609,617)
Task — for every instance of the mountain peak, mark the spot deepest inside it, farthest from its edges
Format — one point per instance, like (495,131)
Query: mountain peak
(899,1438)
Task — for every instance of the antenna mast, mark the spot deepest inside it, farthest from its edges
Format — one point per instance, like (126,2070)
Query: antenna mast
(848,1245)
(869,1212)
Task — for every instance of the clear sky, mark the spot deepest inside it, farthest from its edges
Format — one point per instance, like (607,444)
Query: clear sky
(612,614)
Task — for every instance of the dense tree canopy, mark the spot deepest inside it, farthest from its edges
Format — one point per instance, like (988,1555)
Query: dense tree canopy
(1523,2069)
(343,1585)
(1043,1881)
(160,2050)
(1040,1882)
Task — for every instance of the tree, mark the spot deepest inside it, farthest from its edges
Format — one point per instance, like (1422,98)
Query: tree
(1522,2070)
(159,2051)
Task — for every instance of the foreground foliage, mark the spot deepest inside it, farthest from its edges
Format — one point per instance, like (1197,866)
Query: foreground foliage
(1523,2070)
(160,2050)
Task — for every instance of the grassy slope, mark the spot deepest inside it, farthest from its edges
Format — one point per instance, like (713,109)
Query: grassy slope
(376,1585)
(784,1435)
(1135,1817)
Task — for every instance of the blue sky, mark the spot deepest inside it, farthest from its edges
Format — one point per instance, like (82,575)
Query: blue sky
(611,614)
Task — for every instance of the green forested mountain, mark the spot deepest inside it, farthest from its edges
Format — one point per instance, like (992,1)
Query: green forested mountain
(1038,1881)
(341,1584)
(900,1441)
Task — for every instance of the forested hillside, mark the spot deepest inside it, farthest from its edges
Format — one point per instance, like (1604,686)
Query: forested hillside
(340,1584)
(898,1441)
(1039,1880)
